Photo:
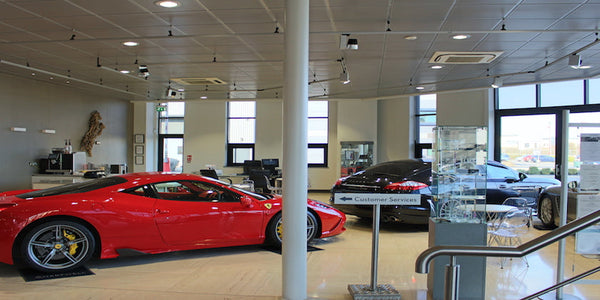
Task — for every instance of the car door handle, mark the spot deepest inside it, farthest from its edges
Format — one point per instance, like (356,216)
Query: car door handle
(162,211)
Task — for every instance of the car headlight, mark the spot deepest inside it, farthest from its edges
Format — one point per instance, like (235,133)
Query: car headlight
(322,205)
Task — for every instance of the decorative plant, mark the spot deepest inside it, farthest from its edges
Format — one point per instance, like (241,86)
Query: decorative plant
(95,130)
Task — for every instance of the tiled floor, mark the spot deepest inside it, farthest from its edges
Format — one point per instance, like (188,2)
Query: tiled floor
(254,273)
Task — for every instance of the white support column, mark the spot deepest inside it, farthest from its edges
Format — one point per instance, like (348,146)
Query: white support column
(295,166)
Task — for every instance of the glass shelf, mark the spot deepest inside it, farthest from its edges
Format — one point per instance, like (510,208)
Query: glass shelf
(459,173)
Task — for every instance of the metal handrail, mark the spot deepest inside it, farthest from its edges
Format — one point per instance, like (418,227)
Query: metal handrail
(425,258)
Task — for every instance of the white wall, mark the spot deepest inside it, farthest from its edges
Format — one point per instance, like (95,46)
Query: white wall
(37,105)
(144,121)
(468,108)
(464,108)
(395,123)
(205,135)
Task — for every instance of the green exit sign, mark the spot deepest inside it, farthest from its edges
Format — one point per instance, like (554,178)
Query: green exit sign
(160,108)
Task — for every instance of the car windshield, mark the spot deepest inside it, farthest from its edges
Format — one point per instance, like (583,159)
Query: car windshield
(257,196)
(74,188)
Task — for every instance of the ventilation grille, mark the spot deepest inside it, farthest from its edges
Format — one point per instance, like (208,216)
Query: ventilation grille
(199,81)
(440,57)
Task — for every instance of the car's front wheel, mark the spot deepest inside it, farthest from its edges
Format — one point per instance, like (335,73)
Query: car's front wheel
(57,246)
(546,212)
(275,229)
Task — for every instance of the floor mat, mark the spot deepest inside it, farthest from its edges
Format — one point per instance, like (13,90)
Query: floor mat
(34,275)
(278,250)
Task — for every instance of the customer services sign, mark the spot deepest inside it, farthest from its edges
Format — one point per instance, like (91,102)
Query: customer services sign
(372,199)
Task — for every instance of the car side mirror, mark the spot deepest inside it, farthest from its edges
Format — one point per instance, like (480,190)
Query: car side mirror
(522,176)
(573,185)
(247,202)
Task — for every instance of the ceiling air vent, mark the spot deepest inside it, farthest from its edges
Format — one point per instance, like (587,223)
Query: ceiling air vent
(199,81)
(444,57)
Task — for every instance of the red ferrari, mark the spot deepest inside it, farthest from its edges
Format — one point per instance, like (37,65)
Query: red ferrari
(61,228)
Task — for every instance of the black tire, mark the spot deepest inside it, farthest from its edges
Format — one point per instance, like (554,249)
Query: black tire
(546,212)
(56,246)
(274,229)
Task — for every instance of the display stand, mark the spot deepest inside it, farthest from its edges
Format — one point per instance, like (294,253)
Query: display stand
(458,182)
(472,269)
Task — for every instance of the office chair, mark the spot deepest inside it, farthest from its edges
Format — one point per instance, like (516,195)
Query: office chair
(262,183)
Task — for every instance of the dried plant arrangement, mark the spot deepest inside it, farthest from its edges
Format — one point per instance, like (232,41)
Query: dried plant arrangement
(95,130)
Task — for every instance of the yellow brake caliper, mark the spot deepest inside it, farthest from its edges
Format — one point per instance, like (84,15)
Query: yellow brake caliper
(72,247)
(280,229)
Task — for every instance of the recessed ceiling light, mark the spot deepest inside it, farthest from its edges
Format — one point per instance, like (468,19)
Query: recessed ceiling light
(436,67)
(410,37)
(167,3)
(203,97)
(130,44)
(461,36)
(125,71)
(420,88)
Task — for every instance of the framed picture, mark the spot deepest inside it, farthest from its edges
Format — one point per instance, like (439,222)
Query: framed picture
(138,138)
(139,149)
(139,160)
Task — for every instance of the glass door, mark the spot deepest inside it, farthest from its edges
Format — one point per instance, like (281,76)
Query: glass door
(528,143)
(170,158)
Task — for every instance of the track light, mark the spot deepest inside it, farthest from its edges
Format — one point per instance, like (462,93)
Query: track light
(175,94)
(497,82)
(144,72)
(344,77)
(347,43)
(575,62)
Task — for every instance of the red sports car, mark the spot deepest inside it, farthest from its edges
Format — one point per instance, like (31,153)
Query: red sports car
(61,228)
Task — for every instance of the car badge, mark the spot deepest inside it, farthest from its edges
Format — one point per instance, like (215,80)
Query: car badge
(268,205)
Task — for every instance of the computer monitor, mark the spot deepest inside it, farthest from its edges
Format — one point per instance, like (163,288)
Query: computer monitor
(252,165)
(270,163)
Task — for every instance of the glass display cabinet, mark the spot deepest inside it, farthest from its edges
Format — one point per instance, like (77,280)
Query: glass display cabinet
(355,157)
(459,174)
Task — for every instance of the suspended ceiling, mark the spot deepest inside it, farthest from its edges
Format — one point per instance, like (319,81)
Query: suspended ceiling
(240,43)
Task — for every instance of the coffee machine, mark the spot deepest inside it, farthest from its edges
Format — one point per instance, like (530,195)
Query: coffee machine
(62,163)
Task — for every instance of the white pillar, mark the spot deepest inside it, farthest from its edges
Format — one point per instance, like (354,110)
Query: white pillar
(294,163)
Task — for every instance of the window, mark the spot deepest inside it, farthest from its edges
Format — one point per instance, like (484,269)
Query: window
(562,93)
(170,137)
(426,121)
(318,133)
(241,131)
(521,96)
(528,127)
(594,87)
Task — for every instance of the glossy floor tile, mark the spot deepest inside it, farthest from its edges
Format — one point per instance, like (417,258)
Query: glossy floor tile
(255,273)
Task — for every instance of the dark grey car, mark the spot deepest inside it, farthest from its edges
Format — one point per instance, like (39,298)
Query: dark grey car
(414,176)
